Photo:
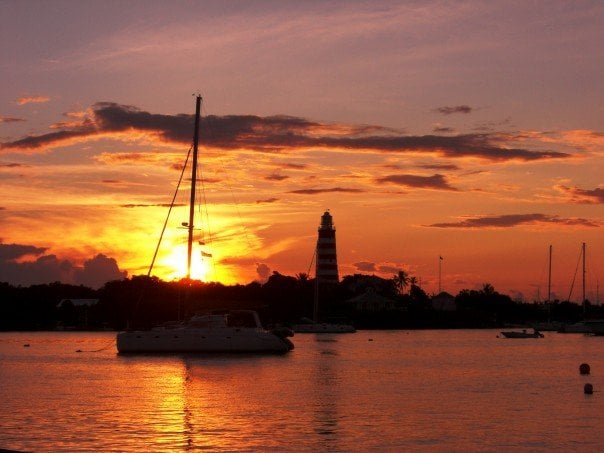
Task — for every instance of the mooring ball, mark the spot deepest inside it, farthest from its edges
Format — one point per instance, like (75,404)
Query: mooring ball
(584,368)
(588,389)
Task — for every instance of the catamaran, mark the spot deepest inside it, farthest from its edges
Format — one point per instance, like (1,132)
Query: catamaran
(217,331)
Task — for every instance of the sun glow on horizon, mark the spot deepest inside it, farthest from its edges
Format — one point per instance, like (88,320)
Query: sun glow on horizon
(175,264)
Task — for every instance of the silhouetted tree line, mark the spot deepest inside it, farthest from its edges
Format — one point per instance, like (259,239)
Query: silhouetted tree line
(370,302)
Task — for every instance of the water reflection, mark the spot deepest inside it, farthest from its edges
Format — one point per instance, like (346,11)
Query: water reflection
(326,380)
(234,402)
(462,390)
(213,402)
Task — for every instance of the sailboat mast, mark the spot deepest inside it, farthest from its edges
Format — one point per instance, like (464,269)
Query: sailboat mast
(315,310)
(193,184)
(549,279)
(584,276)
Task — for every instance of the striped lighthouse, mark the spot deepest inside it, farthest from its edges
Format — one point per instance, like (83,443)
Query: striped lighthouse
(327,262)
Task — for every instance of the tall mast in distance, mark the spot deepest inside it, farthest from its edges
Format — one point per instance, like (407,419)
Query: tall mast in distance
(549,277)
(193,185)
(583,293)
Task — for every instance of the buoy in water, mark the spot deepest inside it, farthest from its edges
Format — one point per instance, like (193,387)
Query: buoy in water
(588,389)
(584,368)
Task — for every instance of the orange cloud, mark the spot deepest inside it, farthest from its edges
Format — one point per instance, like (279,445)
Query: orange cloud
(141,157)
(577,138)
(583,196)
(32,100)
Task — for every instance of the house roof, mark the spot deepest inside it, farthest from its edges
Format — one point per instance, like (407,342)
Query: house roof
(80,302)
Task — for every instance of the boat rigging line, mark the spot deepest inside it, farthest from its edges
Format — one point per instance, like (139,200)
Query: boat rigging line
(161,236)
(572,284)
(208,119)
(312,260)
(172,203)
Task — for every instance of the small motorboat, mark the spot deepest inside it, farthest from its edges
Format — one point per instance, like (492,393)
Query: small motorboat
(523,334)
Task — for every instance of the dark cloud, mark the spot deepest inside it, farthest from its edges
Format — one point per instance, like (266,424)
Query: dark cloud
(469,145)
(112,117)
(8,119)
(295,166)
(591,196)
(276,134)
(365,266)
(319,191)
(17,270)
(267,200)
(443,130)
(436,181)
(48,140)
(439,166)
(129,157)
(98,271)
(9,252)
(12,165)
(513,220)
(455,109)
(154,205)
(207,180)
(263,271)
(276,177)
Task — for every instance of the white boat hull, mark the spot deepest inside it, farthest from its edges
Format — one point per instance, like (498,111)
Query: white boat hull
(227,331)
(202,340)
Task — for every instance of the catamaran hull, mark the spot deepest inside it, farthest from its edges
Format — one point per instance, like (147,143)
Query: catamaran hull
(202,341)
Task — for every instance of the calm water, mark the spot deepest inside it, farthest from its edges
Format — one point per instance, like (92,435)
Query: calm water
(406,390)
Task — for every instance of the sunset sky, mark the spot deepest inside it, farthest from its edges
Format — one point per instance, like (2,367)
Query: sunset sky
(470,130)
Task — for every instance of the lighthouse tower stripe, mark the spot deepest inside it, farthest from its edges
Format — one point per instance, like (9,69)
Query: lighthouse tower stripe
(327,262)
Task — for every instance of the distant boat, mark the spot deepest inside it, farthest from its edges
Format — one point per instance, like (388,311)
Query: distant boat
(596,326)
(577,327)
(522,334)
(548,326)
(224,331)
(586,326)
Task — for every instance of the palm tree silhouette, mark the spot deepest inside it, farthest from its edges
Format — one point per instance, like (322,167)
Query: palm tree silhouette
(401,281)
